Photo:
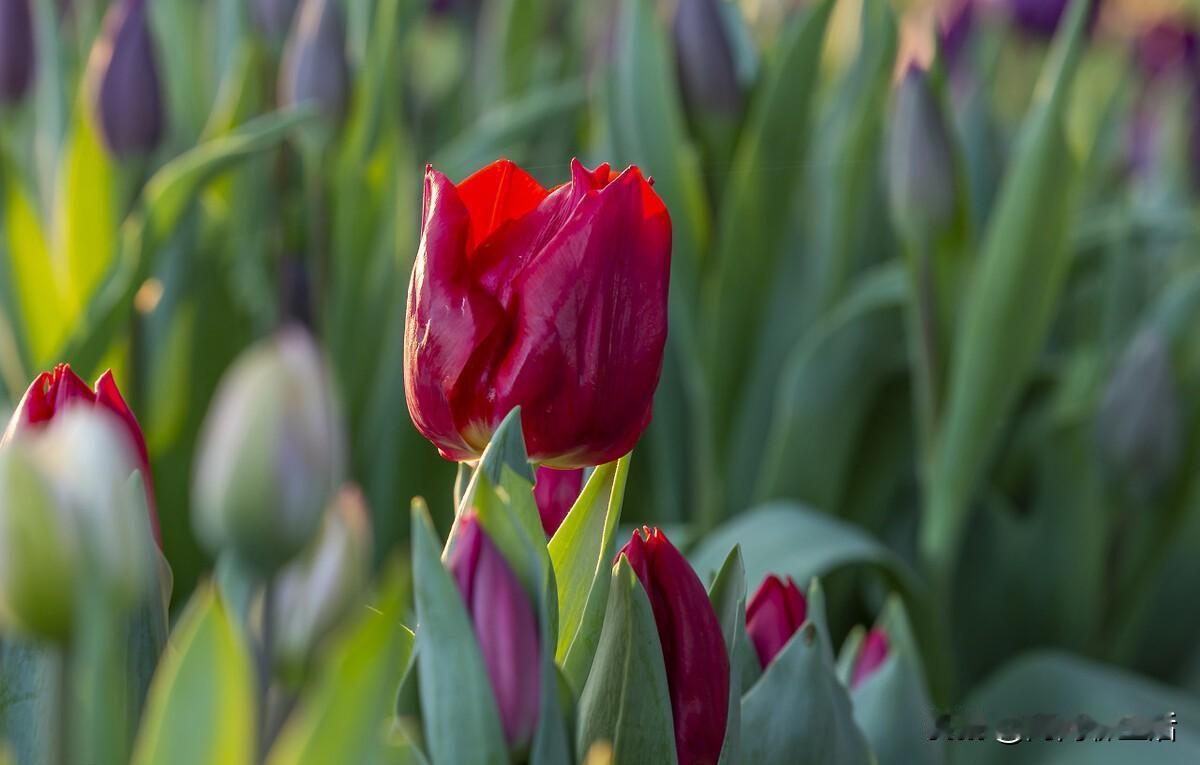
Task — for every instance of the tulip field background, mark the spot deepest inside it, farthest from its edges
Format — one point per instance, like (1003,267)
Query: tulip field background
(933,345)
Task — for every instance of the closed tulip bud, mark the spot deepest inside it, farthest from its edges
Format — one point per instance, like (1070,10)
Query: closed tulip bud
(270,454)
(1040,18)
(38,551)
(54,392)
(314,60)
(314,594)
(955,28)
(88,460)
(773,615)
(505,626)
(694,653)
(705,55)
(551,300)
(874,652)
(555,493)
(273,17)
(17,50)
(1139,431)
(124,75)
(922,185)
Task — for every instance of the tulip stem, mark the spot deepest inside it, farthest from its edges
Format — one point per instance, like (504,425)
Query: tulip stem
(266,656)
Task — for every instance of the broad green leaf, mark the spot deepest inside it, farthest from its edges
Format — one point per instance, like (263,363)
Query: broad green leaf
(799,712)
(626,702)
(346,716)
(458,707)
(512,33)
(580,552)
(1011,301)
(728,596)
(756,209)
(201,707)
(828,385)
(166,197)
(45,320)
(892,705)
(26,694)
(87,209)
(1068,687)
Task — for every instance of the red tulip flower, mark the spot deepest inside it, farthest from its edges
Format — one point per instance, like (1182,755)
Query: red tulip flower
(52,392)
(693,646)
(555,493)
(505,626)
(874,652)
(774,614)
(551,300)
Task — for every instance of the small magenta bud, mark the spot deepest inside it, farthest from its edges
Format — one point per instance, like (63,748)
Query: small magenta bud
(872,656)
(18,54)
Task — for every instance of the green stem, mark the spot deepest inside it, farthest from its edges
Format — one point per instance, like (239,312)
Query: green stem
(266,656)
(60,733)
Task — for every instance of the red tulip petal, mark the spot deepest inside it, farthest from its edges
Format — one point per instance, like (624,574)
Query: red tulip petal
(496,195)
(555,493)
(450,322)
(589,329)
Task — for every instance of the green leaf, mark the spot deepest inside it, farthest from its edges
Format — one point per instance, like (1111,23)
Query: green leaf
(892,705)
(165,199)
(728,596)
(26,695)
(756,210)
(625,701)
(1068,686)
(462,724)
(1009,305)
(580,552)
(346,715)
(201,707)
(798,711)
(828,385)
(45,320)
(511,36)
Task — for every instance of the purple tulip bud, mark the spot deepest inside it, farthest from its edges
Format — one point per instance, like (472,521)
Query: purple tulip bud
(128,100)
(874,652)
(1169,48)
(1040,18)
(273,17)
(707,69)
(954,32)
(314,61)
(922,183)
(17,51)
(505,626)
(556,492)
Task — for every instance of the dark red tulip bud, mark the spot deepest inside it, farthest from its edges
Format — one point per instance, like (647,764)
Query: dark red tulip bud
(17,50)
(128,98)
(707,68)
(551,300)
(774,614)
(314,61)
(1040,18)
(694,653)
(505,626)
(54,392)
(555,492)
(874,652)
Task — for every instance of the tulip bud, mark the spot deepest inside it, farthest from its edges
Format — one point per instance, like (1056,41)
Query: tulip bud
(124,77)
(774,614)
(38,550)
(704,52)
(314,60)
(53,392)
(555,493)
(273,17)
(551,300)
(922,184)
(270,454)
(1040,18)
(505,626)
(314,594)
(694,652)
(1139,429)
(874,652)
(17,50)
(1169,48)
(954,32)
